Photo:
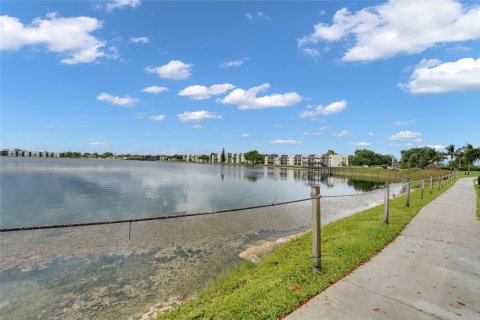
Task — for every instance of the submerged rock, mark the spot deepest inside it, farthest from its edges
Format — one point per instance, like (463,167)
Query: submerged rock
(256,253)
(160,308)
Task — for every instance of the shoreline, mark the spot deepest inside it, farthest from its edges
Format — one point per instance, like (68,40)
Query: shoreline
(254,253)
(284,278)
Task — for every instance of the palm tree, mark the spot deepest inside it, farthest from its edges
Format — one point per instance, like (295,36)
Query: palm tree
(451,152)
(459,154)
(438,157)
(469,155)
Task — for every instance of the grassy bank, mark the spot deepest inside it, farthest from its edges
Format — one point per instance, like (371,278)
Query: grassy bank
(283,280)
(475,185)
(390,175)
(376,174)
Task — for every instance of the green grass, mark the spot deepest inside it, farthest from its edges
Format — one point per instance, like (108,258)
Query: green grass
(475,185)
(390,175)
(283,281)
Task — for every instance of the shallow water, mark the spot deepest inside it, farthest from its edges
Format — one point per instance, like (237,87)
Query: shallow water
(97,272)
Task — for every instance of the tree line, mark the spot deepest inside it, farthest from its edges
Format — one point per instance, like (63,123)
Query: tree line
(463,157)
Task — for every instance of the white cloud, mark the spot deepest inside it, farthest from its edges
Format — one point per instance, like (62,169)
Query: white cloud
(437,77)
(257,16)
(247,99)
(155,89)
(97,143)
(157,117)
(332,108)
(278,126)
(68,36)
(317,132)
(404,123)
(285,141)
(437,147)
(370,133)
(234,63)
(311,52)
(139,40)
(246,135)
(343,133)
(175,69)
(120,4)
(384,30)
(126,101)
(197,126)
(405,136)
(198,116)
(198,92)
(360,144)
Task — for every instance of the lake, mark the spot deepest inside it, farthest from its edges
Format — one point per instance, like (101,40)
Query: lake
(98,272)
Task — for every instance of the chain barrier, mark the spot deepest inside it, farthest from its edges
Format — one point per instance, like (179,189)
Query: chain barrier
(85,224)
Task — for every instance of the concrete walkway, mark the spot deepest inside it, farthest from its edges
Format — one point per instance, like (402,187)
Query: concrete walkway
(430,271)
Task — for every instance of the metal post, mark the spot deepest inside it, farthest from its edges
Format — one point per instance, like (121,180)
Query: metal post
(129,230)
(408,193)
(386,203)
(439,182)
(316,232)
(422,188)
(431,184)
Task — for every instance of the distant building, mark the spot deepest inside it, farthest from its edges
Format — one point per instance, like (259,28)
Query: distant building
(286,160)
(241,158)
(312,160)
(272,159)
(214,158)
(334,160)
(298,160)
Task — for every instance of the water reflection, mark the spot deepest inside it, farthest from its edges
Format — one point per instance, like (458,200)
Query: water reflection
(97,272)
(45,191)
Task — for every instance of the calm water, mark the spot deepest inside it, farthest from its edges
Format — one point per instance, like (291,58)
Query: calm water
(97,272)
(50,191)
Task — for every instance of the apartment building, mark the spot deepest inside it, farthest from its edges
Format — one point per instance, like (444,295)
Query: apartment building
(335,160)
(272,159)
(27,153)
(312,160)
(214,157)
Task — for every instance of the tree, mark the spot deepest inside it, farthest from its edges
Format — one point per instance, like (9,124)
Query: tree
(254,157)
(222,157)
(420,157)
(470,154)
(107,155)
(459,153)
(438,157)
(362,157)
(451,152)
(332,152)
(204,157)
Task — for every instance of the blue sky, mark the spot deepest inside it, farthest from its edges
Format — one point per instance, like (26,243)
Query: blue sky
(194,77)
